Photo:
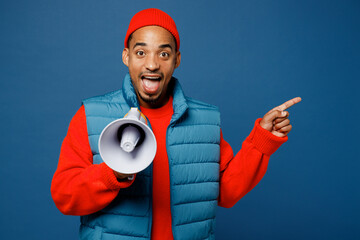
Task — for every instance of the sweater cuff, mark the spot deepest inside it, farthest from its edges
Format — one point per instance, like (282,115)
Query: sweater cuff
(110,179)
(265,141)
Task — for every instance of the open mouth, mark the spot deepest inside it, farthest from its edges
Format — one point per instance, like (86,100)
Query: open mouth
(150,83)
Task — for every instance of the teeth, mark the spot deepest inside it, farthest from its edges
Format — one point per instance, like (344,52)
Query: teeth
(152,78)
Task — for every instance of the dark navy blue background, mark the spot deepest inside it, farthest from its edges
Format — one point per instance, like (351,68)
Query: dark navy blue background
(244,56)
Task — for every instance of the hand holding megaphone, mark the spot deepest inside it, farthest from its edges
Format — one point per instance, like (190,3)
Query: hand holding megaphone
(128,145)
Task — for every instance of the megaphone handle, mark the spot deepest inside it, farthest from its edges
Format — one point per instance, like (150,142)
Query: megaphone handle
(134,113)
(123,177)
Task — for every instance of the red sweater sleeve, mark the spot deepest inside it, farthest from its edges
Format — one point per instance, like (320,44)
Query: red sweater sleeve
(240,174)
(79,187)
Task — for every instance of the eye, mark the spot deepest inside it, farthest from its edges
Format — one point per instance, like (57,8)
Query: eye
(164,54)
(140,53)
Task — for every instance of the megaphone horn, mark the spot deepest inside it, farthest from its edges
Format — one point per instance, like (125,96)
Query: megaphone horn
(128,145)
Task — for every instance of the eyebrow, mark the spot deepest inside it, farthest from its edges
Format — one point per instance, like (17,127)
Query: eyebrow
(165,46)
(144,44)
(139,44)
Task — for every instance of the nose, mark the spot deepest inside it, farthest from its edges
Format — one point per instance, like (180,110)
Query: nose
(152,63)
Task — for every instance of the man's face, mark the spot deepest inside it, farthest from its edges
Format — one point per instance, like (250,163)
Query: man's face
(151,57)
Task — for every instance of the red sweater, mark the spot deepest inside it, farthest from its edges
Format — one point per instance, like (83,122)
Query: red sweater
(81,188)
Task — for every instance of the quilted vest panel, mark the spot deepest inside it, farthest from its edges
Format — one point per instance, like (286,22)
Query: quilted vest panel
(193,150)
(128,216)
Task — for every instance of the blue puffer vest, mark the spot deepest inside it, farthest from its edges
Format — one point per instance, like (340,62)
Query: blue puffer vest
(193,139)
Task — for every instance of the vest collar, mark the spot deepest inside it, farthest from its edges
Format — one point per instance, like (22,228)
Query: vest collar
(179,100)
(129,92)
(179,103)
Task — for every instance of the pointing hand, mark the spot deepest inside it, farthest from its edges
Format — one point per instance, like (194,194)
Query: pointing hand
(276,120)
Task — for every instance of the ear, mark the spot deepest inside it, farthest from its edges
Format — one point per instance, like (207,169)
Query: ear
(125,56)
(178,59)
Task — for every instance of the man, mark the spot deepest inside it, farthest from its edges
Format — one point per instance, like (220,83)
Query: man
(194,169)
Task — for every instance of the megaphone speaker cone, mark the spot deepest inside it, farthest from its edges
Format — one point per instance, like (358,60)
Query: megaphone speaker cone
(127,146)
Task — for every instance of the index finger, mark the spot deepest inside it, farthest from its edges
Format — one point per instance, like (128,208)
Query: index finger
(288,104)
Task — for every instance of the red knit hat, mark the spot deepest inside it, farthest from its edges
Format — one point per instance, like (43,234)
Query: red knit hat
(151,17)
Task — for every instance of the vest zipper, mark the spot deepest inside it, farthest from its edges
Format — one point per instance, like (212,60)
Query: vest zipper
(171,181)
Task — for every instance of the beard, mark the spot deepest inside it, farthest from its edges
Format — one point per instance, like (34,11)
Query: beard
(151,100)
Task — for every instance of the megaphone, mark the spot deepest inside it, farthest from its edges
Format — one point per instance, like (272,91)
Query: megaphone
(128,145)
